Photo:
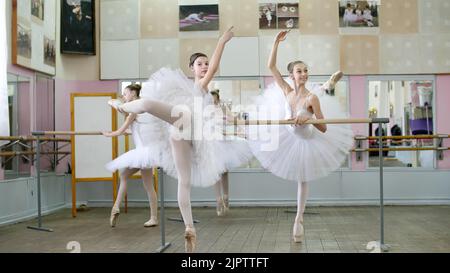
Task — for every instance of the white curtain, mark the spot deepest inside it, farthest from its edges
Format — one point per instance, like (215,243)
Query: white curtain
(4,112)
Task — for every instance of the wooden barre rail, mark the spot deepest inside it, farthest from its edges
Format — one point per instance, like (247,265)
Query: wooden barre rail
(401,137)
(67,133)
(402,149)
(31,153)
(317,121)
(28,138)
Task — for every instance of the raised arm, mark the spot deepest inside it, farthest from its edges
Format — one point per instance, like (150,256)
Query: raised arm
(130,118)
(215,59)
(272,64)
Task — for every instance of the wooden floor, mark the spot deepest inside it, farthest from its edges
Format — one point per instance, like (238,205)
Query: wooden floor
(243,230)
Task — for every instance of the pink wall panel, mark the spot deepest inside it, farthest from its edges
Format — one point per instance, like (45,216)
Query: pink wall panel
(358,109)
(443,114)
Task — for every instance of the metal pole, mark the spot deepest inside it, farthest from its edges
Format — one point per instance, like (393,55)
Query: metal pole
(383,247)
(164,245)
(380,156)
(38,178)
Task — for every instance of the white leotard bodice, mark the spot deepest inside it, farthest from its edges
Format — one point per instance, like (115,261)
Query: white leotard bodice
(304,131)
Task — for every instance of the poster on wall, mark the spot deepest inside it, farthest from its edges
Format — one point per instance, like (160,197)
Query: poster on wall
(278,15)
(359,14)
(78,27)
(199,17)
(34,35)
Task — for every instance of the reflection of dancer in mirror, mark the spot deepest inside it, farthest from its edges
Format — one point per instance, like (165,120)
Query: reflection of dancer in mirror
(198,17)
(134,160)
(222,186)
(305,152)
(197,161)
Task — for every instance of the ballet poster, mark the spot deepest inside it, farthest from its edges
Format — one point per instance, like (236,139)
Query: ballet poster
(199,18)
(357,14)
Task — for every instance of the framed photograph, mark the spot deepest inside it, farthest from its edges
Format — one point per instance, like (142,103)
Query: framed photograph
(49,52)
(287,14)
(37,9)
(267,16)
(199,18)
(33,35)
(78,27)
(359,14)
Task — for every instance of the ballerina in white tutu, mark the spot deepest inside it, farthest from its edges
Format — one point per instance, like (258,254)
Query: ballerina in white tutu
(305,152)
(134,160)
(198,154)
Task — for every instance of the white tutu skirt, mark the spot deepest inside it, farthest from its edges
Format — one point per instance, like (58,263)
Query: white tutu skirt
(134,159)
(145,131)
(302,153)
(210,158)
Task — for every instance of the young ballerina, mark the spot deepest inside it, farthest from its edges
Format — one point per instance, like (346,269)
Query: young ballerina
(305,152)
(134,160)
(198,158)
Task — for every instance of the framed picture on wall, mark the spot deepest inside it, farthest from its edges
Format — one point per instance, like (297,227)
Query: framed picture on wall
(78,27)
(267,16)
(199,17)
(359,14)
(287,14)
(34,34)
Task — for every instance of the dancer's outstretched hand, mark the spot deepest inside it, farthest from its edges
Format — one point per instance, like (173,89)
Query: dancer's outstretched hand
(227,35)
(107,134)
(281,36)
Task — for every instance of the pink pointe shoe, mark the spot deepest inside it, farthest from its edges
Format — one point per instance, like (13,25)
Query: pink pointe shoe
(190,240)
(151,223)
(115,103)
(226,204)
(114,216)
(331,83)
(220,209)
(298,232)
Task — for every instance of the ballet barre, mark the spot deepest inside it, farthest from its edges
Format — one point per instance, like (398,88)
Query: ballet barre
(164,245)
(314,121)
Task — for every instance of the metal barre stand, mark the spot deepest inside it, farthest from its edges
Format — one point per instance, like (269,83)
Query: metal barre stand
(380,121)
(38,176)
(164,245)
